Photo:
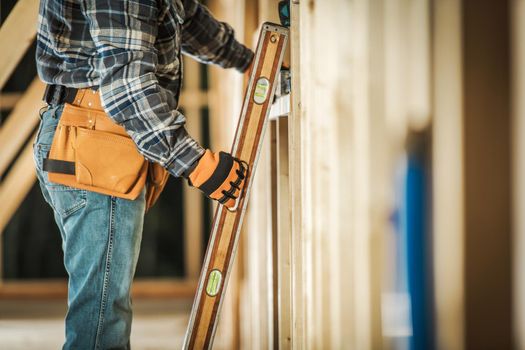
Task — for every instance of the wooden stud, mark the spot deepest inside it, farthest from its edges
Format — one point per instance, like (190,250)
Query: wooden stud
(448,173)
(518,104)
(381,157)
(8,100)
(259,259)
(275,311)
(193,210)
(488,188)
(16,34)
(16,185)
(418,70)
(191,96)
(267,11)
(283,238)
(21,123)
(296,156)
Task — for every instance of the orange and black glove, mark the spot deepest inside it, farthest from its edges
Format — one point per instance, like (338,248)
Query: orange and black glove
(220,176)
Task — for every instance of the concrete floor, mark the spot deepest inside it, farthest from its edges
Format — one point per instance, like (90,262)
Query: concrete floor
(26,325)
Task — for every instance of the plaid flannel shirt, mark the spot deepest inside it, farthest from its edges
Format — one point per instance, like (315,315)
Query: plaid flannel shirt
(131,51)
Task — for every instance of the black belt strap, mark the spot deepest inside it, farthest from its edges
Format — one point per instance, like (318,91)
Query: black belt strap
(58,94)
(58,166)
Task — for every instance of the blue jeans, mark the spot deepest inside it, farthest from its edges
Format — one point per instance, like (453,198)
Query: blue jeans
(101,240)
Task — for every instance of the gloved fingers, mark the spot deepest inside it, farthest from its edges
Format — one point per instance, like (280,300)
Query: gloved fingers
(232,187)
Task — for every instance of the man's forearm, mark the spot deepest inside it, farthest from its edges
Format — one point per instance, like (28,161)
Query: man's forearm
(211,41)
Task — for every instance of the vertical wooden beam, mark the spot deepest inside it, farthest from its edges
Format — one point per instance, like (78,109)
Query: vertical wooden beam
(296,153)
(17,183)
(335,64)
(258,257)
(16,34)
(193,210)
(352,62)
(360,183)
(396,71)
(419,63)
(21,122)
(281,235)
(268,11)
(275,233)
(447,174)
(283,238)
(487,135)
(518,103)
(381,157)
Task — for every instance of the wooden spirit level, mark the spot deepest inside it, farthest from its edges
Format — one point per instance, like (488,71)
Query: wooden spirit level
(227,224)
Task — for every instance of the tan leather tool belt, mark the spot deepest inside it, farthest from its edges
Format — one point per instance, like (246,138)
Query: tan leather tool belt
(90,151)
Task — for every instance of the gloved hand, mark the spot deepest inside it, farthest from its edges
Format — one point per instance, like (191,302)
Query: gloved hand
(220,176)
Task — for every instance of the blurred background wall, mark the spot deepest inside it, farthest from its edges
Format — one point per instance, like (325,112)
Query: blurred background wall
(387,208)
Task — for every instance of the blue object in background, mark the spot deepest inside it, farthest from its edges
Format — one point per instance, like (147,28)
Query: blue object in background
(415,219)
(411,221)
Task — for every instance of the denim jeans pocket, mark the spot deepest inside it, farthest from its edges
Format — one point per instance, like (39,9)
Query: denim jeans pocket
(65,200)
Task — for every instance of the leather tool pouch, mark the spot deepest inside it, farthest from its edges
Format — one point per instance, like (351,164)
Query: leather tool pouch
(157,178)
(91,152)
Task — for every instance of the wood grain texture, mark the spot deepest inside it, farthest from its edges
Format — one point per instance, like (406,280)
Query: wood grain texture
(16,185)
(21,123)
(16,34)
(296,136)
(192,101)
(226,228)
(448,174)
(283,238)
(8,100)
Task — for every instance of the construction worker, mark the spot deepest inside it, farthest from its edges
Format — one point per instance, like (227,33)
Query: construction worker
(122,58)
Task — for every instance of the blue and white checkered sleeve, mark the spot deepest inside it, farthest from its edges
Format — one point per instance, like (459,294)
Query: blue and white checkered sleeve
(211,41)
(124,33)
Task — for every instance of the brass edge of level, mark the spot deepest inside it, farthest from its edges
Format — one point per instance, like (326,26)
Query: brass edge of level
(275,28)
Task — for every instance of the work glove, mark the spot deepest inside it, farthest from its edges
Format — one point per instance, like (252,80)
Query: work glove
(220,176)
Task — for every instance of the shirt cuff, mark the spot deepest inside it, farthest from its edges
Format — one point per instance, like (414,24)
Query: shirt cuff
(185,157)
(244,59)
